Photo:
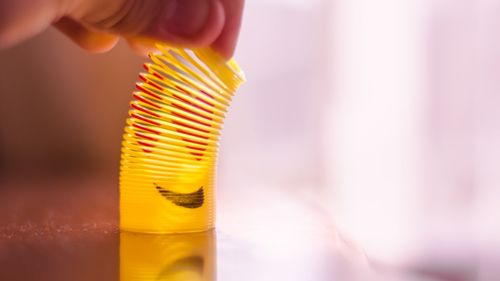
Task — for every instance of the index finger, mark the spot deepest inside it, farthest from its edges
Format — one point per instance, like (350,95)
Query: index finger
(226,42)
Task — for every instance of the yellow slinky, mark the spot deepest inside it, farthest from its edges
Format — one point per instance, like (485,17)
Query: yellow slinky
(170,143)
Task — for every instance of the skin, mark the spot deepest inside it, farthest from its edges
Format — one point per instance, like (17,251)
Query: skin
(97,25)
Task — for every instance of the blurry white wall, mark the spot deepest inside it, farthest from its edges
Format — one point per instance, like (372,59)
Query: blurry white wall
(413,131)
(272,133)
(375,124)
(387,112)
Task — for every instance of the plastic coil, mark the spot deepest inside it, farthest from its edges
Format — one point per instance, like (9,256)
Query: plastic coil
(170,143)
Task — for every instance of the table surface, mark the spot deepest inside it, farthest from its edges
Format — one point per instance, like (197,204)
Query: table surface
(67,229)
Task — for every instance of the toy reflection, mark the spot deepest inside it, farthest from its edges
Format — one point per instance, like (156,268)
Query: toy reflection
(172,257)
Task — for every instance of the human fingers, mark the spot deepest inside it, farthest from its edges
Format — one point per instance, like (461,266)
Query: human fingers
(187,23)
(92,41)
(226,42)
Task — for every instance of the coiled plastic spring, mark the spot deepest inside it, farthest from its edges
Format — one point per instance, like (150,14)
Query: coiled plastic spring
(170,143)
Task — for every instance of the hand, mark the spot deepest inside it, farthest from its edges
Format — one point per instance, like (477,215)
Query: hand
(96,25)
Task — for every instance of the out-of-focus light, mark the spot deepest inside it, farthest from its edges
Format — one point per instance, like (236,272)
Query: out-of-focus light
(373,125)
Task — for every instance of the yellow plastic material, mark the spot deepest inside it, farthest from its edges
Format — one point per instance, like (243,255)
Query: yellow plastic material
(170,143)
(172,257)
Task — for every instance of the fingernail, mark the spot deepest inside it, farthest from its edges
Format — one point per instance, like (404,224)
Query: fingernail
(187,17)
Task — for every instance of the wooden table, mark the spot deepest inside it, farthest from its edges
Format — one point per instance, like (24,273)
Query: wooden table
(67,229)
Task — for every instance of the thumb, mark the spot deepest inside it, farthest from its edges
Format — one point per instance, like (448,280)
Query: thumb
(187,23)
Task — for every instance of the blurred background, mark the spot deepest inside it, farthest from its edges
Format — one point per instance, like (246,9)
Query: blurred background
(384,116)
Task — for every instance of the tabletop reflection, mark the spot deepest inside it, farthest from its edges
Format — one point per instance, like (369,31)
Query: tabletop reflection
(172,257)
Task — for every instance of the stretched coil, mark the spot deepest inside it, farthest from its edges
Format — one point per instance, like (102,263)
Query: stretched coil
(171,139)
